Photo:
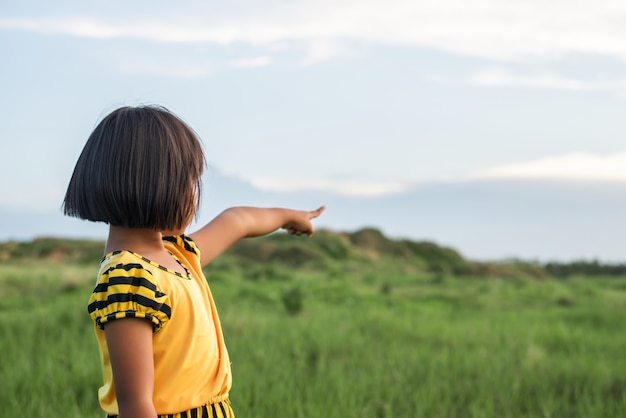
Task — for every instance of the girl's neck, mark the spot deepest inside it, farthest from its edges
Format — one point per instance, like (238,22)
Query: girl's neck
(134,239)
(145,242)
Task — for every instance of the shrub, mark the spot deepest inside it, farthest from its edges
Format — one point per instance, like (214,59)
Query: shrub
(293,299)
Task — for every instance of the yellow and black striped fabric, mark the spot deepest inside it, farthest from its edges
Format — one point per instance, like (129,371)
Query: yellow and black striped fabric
(128,290)
(214,410)
(191,363)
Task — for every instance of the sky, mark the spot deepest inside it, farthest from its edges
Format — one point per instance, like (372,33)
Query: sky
(359,103)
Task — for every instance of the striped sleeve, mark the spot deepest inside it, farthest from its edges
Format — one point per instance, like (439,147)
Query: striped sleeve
(128,291)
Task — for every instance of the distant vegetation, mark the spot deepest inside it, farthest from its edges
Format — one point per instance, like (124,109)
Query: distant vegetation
(366,246)
(343,325)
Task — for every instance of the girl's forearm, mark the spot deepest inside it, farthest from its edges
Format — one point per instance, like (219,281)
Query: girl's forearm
(255,221)
(244,221)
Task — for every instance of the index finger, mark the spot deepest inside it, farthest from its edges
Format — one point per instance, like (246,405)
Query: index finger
(317,212)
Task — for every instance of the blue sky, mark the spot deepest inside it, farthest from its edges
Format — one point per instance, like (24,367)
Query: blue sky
(332,99)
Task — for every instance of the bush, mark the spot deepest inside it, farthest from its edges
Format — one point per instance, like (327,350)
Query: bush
(293,299)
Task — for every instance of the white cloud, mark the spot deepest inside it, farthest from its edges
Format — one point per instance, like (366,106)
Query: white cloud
(324,49)
(180,71)
(251,62)
(346,188)
(495,30)
(498,77)
(574,166)
(135,62)
(578,166)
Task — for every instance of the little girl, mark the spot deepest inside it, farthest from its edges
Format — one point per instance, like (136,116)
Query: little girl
(160,338)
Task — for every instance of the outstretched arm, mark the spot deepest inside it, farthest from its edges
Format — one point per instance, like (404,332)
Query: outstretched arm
(240,222)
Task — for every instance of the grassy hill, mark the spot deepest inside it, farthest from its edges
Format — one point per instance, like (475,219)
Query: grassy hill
(329,251)
(326,251)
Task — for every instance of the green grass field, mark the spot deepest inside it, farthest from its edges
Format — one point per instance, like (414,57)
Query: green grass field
(367,342)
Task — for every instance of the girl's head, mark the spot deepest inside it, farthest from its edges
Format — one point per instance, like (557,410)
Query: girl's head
(140,168)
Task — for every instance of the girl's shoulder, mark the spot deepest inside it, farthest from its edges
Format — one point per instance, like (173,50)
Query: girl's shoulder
(183,243)
(123,263)
(187,253)
(128,286)
(120,258)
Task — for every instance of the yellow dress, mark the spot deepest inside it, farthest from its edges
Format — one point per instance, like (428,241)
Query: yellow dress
(191,364)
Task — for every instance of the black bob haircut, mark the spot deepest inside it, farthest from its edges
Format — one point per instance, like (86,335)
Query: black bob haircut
(140,168)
